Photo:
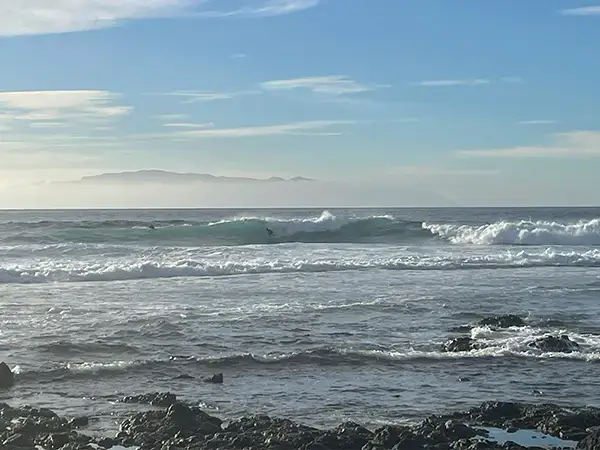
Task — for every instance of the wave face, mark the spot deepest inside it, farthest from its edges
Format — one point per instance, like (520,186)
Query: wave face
(325,227)
(240,230)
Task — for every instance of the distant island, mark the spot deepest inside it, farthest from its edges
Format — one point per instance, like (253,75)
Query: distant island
(163,176)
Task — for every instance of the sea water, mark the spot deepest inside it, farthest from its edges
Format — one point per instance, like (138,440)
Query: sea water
(340,314)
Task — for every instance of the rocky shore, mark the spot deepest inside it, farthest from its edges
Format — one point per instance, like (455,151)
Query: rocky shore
(171,424)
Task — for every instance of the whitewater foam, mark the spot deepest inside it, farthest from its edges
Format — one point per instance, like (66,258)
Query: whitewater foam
(520,233)
(165,265)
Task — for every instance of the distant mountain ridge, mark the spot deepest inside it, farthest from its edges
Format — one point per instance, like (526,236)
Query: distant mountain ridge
(163,176)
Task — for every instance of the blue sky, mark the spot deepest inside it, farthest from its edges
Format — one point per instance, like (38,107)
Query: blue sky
(454,94)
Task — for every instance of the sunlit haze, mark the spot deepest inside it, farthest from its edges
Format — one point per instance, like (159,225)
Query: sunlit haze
(387,103)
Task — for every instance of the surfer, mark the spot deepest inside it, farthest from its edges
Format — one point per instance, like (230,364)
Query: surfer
(270,231)
(151,226)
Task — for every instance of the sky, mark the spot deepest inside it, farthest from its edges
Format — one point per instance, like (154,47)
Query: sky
(385,102)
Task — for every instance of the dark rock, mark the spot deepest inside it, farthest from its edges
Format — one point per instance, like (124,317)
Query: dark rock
(559,344)
(591,441)
(78,422)
(216,378)
(162,399)
(7,377)
(459,344)
(18,440)
(178,421)
(507,321)
(107,442)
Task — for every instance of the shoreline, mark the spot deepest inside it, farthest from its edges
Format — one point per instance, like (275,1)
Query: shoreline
(173,424)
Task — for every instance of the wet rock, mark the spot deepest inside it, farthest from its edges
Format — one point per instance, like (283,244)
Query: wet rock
(558,344)
(78,422)
(506,321)
(177,422)
(216,378)
(459,344)
(162,399)
(18,440)
(107,442)
(591,441)
(7,377)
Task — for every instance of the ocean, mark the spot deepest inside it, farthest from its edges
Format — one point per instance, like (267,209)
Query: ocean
(338,315)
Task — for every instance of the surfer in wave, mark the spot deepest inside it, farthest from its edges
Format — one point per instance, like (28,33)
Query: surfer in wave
(269,231)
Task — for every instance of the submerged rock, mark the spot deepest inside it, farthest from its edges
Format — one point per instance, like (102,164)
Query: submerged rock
(459,344)
(506,321)
(7,377)
(163,399)
(558,344)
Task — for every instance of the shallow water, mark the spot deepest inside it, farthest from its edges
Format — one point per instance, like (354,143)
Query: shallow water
(321,325)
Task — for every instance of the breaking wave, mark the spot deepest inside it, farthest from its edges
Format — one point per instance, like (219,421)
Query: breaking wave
(521,233)
(168,266)
(324,228)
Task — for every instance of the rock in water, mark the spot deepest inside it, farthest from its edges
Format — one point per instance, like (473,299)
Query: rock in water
(7,377)
(460,344)
(507,321)
(556,344)
(162,399)
(216,378)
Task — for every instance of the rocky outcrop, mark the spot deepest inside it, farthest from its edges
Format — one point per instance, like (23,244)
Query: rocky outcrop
(557,344)
(216,379)
(25,428)
(459,344)
(182,427)
(506,321)
(7,377)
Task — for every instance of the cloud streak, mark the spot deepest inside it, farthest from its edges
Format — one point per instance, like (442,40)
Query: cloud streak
(537,122)
(203,96)
(60,106)
(294,128)
(34,17)
(583,11)
(266,9)
(465,82)
(449,83)
(574,144)
(332,84)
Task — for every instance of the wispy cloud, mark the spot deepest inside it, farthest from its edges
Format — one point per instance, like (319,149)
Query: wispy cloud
(332,84)
(189,125)
(447,83)
(60,106)
(294,128)
(238,56)
(202,96)
(466,82)
(574,144)
(537,122)
(263,9)
(583,11)
(33,17)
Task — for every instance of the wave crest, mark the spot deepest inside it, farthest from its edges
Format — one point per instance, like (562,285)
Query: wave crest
(523,232)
